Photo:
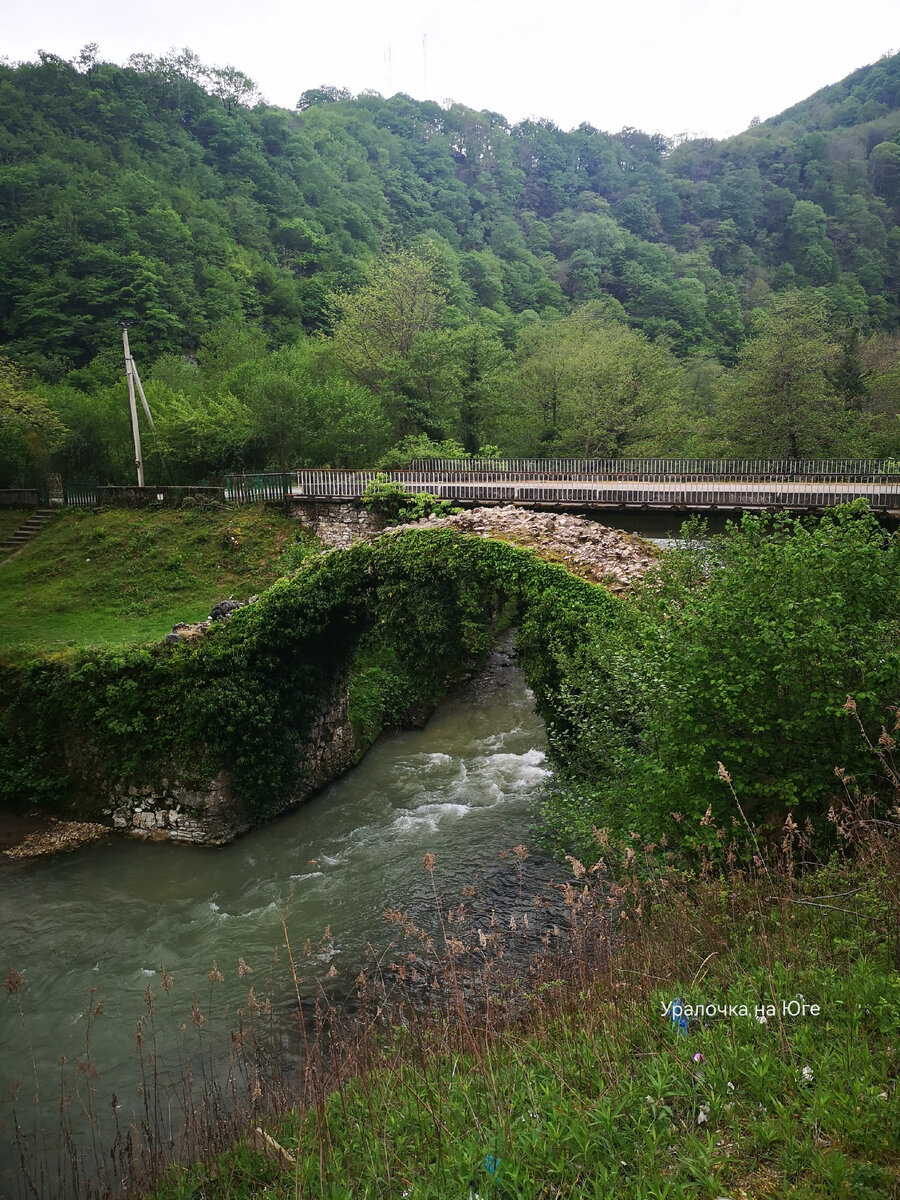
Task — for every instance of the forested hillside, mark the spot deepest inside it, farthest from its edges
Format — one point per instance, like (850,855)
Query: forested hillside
(313,286)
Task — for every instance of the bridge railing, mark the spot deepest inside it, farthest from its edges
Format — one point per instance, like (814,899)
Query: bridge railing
(733,483)
(251,489)
(675,469)
(882,491)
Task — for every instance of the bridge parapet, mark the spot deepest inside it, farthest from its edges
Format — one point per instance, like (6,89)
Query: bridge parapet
(732,484)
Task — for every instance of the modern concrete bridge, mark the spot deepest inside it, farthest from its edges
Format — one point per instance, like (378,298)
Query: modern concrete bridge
(597,483)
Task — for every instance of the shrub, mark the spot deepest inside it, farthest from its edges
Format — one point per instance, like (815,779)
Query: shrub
(743,650)
(398,506)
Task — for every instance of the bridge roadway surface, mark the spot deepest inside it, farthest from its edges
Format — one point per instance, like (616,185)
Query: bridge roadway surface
(607,493)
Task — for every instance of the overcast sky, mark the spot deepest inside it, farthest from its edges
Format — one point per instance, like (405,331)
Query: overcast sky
(699,66)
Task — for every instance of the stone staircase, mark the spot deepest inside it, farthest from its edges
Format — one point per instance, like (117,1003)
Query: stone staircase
(26,532)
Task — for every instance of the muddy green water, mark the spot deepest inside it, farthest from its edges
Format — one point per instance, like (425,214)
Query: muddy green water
(99,924)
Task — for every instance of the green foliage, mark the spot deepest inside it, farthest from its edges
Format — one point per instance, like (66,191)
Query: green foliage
(397,506)
(419,446)
(780,399)
(29,430)
(742,650)
(160,192)
(589,386)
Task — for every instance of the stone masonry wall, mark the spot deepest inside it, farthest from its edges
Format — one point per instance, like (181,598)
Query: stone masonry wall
(335,525)
(176,812)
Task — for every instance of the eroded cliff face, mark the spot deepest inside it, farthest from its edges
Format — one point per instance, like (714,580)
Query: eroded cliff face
(211,815)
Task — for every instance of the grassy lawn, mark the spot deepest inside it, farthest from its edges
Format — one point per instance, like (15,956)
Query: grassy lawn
(114,576)
(12,519)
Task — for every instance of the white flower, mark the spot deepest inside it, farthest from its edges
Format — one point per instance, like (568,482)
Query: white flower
(807,1075)
(729,1086)
(762,1020)
(703,1114)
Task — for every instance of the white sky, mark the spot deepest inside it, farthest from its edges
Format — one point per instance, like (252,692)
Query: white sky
(699,66)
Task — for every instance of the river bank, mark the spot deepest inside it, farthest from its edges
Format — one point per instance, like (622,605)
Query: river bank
(732,1043)
(36,835)
(103,924)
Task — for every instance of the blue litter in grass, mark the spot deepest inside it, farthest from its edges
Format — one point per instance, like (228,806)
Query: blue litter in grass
(491,1163)
(679,1020)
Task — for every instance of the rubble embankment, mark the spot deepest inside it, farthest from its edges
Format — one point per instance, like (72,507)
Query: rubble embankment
(594,551)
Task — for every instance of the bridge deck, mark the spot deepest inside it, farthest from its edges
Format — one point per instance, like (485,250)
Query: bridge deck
(582,489)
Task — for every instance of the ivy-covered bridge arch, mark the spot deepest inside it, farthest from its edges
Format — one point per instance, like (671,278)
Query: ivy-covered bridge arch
(200,739)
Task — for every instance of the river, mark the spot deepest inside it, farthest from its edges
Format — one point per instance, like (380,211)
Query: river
(97,926)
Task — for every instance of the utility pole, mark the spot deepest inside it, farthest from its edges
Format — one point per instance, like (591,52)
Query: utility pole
(131,372)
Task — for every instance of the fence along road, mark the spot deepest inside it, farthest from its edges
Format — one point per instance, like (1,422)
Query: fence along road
(599,483)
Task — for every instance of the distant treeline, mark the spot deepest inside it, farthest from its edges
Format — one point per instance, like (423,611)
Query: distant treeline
(315,286)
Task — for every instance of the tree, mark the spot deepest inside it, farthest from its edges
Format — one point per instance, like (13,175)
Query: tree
(884,170)
(779,399)
(202,436)
(379,323)
(232,87)
(29,429)
(589,385)
(322,95)
(811,251)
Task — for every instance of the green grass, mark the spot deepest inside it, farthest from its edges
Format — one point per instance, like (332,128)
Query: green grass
(115,576)
(593,1093)
(12,519)
(611,1104)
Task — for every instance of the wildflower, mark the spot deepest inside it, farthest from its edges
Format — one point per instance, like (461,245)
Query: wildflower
(703,1114)
(807,1075)
(243,969)
(215,975)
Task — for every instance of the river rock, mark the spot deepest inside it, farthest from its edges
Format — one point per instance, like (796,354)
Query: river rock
(223,610)
(184,632)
